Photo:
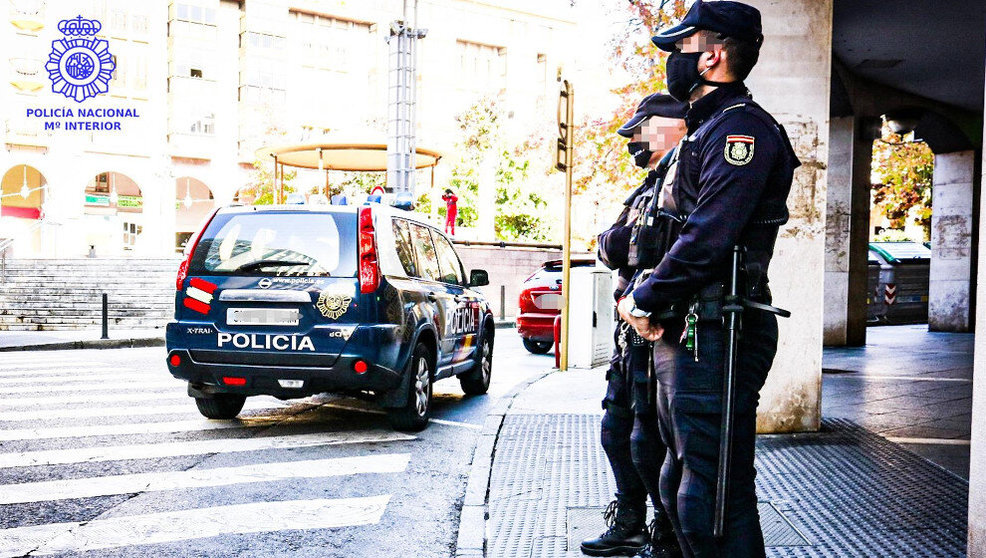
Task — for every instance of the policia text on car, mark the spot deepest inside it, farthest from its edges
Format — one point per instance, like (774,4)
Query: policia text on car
(630,433)
(734,173)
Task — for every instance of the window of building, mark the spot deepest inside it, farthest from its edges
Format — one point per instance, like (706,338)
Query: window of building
(195,14)
(482,68)
(262,41)
(204,125)
(139,24)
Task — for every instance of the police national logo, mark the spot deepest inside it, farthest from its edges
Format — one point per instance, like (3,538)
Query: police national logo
(80,66)
(739,150)
(333,304)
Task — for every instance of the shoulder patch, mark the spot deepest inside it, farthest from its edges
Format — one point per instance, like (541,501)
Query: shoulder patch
(739,149)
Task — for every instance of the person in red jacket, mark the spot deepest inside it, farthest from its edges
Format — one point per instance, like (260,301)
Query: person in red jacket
(451,209)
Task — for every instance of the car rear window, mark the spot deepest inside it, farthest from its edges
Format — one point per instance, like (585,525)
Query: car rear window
(278,243)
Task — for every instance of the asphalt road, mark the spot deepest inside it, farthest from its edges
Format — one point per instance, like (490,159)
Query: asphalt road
(103,454)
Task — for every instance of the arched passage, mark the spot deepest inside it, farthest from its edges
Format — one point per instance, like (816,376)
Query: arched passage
(194,203)
(113,213)
(22,199)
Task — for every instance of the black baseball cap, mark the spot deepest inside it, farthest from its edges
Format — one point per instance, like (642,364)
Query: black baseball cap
(732,19)
(656,104)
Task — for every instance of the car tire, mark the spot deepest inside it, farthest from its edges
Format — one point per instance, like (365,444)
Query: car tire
(222,406)
(413,416)
(477,380)
(538,347)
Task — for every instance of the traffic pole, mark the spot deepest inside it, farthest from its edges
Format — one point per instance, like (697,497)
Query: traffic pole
(566,128)
(106,317)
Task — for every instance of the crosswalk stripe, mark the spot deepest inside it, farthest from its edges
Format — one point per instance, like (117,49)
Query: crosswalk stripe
(92,487)
(164,527)
(129,428)
(68,377)
(15,402)
(43,386)
(55,369)
(138,410)
(196,447)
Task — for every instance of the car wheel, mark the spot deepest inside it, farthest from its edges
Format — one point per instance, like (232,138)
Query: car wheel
(477,380)
(222,406)
(538,347)
(414,414)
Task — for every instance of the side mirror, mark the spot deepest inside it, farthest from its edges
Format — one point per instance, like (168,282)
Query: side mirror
(479,278)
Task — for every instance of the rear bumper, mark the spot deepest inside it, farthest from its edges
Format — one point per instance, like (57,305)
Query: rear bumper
(205,371)
(537,327)
(258,372)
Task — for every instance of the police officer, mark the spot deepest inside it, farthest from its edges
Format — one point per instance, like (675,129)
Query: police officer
(734,174)
(630,435)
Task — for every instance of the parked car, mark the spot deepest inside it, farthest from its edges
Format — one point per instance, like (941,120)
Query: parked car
(291,301)
(899,276)
(540,301)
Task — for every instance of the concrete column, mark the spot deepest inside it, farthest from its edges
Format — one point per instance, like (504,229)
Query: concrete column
(837,217)
(951,242)
(847,229)
(792,81)
(977,459)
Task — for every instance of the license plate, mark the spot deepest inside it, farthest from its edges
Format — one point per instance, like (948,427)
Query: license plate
(548,302)
(263,316)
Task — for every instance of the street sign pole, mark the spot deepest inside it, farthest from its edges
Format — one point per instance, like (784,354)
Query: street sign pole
(566,140)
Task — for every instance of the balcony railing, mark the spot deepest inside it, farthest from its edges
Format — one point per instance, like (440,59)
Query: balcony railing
(26,74)
(27,15)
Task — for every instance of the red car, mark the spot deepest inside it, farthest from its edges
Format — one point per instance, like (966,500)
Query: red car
(540,302)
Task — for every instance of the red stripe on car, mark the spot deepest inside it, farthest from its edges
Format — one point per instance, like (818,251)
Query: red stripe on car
(199,307)
(203,285)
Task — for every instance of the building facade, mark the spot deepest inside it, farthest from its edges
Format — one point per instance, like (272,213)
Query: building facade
(199,85)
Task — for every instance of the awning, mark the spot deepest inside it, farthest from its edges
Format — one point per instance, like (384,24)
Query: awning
(368,157)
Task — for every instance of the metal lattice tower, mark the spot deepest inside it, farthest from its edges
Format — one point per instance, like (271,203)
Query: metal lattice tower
(402,102)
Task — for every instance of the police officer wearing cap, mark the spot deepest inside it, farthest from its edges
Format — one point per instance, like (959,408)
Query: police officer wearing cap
(734,174)
(630,434)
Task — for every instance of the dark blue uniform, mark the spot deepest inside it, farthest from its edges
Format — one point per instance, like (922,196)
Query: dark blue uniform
(734,174)
(630,435)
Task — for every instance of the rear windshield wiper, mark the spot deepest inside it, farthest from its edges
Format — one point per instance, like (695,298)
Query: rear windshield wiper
(270,263)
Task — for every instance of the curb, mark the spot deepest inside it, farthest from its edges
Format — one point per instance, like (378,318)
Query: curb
(471,542)
(90,344)
(505,324)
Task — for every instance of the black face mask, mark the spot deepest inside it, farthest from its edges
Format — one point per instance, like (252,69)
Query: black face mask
(683,75)
(641,155)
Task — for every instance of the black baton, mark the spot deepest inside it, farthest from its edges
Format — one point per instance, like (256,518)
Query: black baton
(733,307)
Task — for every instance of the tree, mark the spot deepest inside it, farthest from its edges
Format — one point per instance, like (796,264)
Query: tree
(519,205)
(604,173)
(902,179)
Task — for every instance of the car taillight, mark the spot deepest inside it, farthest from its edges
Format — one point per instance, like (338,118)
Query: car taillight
(369,272)
(193,242)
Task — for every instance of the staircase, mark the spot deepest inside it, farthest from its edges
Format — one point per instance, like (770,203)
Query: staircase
(56,295)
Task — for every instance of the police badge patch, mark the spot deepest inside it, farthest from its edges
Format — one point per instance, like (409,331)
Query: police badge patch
(739,150)
(333,304)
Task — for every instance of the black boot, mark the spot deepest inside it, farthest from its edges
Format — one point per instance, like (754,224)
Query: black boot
(626,533)
(662,541)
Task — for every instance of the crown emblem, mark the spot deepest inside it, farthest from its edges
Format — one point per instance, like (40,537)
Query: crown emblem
(79,27)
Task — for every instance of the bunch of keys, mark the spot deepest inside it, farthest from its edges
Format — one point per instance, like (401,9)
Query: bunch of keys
(691,332)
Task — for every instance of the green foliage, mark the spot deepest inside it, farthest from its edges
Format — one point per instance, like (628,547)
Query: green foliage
(604,172)
(260,189)
(519,207)
(902,179)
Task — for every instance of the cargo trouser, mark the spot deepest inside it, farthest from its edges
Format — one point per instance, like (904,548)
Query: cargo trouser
(630,434)
(690,418)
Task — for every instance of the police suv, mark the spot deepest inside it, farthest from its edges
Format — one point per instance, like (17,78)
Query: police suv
(291,301)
